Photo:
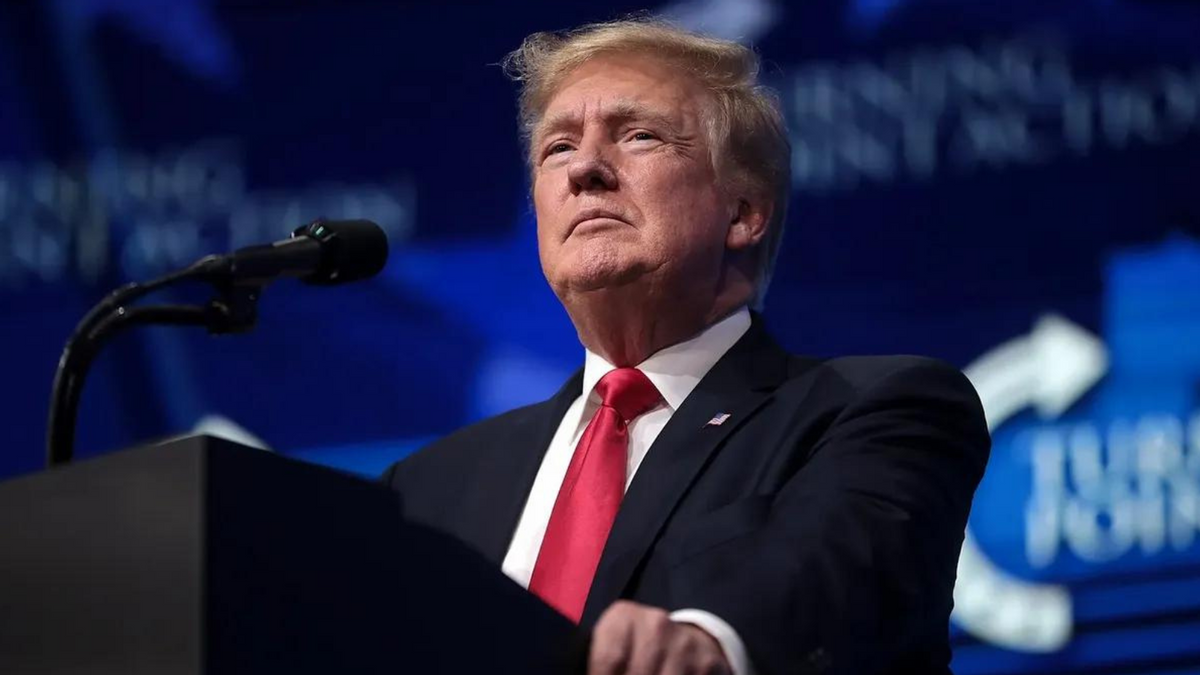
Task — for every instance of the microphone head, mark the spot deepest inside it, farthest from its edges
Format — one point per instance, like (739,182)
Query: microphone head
(350,250)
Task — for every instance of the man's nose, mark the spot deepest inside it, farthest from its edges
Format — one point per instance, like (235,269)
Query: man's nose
(591,170)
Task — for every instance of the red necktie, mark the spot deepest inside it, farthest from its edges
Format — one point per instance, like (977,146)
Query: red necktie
(590,494)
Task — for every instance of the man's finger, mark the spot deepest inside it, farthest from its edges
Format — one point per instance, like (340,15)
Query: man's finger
(652,634)
(612,641)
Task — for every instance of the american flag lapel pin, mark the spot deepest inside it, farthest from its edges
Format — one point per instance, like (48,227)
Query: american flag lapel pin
(717,420)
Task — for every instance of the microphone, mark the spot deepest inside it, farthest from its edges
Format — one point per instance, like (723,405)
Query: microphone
(324,252)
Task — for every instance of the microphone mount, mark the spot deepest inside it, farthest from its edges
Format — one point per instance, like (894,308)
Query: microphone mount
(232,309)
(322,253)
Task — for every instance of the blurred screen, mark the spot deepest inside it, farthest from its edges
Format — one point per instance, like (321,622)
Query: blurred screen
(1012,187)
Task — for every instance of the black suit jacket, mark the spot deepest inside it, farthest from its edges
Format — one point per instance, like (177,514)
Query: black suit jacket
(822,520)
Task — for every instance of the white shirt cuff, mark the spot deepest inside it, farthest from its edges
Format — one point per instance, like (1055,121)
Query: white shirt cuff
(723,633)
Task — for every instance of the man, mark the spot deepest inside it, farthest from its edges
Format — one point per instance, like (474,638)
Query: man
(708,502)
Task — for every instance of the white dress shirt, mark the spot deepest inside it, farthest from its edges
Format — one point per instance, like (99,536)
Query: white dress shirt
(675,371)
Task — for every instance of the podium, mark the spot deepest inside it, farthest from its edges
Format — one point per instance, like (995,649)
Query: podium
(201,556)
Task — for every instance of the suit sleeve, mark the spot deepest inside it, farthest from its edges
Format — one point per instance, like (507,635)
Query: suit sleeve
(854,568)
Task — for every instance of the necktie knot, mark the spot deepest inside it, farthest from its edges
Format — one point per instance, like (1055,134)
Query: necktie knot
(629,392)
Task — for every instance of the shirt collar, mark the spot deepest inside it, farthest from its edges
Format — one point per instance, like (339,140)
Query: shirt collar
(676,370)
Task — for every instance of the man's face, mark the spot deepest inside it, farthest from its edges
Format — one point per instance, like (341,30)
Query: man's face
(624,185)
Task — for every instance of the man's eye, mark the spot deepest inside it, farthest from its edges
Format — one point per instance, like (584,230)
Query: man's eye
(642,136)
(557,148)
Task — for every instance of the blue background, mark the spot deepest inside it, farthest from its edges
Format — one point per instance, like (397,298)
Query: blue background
(962,169)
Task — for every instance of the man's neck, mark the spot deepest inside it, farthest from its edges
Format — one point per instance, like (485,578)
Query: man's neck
(625,337)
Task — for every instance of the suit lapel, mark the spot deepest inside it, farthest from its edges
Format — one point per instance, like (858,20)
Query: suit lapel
(738,384)
(512,468)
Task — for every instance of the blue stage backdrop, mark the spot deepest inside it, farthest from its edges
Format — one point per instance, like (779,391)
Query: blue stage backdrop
(1011,186)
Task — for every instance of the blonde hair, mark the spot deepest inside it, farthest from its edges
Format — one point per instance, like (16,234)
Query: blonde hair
(746,129)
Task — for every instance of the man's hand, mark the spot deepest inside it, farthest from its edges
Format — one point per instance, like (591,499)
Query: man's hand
(633,639)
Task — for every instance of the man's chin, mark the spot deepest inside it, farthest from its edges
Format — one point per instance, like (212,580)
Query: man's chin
(610,279)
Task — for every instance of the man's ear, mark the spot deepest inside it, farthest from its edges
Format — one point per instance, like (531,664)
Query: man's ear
(748,224)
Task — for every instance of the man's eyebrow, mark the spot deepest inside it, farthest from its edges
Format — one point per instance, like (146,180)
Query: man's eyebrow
(629,111)
(621,111)
(558,122)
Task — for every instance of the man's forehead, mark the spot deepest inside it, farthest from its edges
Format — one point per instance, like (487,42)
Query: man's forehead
(622,86)
(607,108)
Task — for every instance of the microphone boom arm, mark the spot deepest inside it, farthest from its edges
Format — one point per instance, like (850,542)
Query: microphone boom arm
(322,253)
(232,310)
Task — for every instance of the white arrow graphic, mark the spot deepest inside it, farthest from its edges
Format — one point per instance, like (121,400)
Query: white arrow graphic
(1048,369)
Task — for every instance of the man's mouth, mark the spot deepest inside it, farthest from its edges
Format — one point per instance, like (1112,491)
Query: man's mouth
(592,219)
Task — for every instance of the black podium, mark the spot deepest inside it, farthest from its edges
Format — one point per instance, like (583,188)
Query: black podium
(202,556)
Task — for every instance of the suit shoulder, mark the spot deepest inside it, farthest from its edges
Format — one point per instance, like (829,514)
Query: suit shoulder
(461,445)
(912,392)
(863,373)
(935,387)
(854,382)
